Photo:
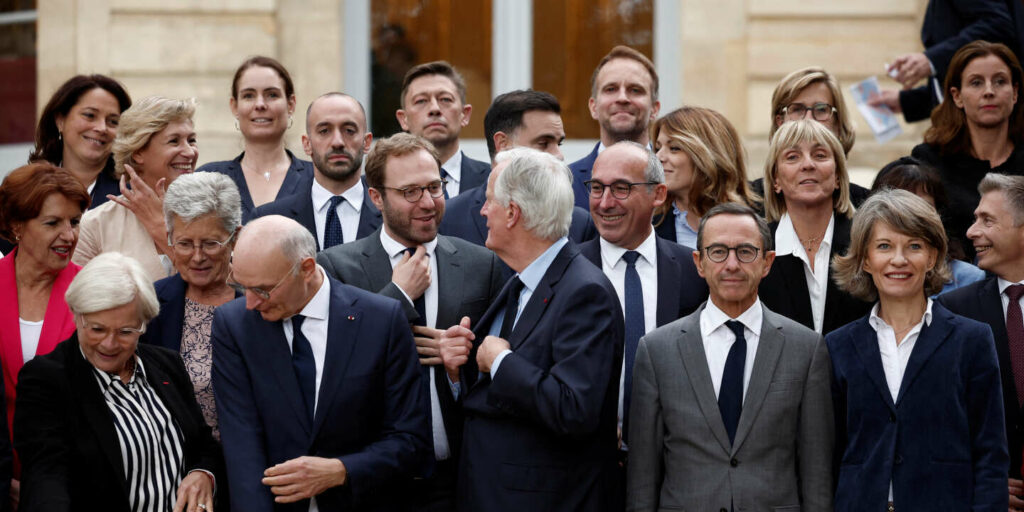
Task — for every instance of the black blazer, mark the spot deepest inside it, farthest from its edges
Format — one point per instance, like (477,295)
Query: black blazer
(474,174)
(65,437)
(300,207)
(299,176)
(165,329)
(784,289)
(105,184)
(981,301)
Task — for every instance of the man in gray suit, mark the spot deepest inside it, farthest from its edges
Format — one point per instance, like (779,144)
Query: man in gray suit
(731,405)
(438,279)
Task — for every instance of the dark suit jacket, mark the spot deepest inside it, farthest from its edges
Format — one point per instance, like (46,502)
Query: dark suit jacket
(681,290)
(474,174)
(372,410)
(581,173)
(947,26)
(165,329)
(942,442)
(541,435)
(63,432)
(300,207)
(298,177)
(981,301)
(105,184)
(462,219)
(784,289)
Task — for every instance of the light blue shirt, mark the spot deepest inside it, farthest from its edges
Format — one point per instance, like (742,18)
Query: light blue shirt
(685,235)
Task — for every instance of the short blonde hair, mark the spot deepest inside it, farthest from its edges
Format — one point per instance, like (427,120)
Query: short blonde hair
(789,135)
(112,280)
(794,83)
(904,212)
(144,119)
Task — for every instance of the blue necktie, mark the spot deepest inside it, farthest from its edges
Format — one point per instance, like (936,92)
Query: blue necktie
(444,176)
(515,287)
(634,316)
(730,395)
(418,302)
(332,233)
(304,365)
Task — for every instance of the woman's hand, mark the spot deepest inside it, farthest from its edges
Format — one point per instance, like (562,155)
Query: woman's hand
(195,494)
(147,204)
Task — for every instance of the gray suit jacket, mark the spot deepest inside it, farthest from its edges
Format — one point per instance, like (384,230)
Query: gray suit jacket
(679,453)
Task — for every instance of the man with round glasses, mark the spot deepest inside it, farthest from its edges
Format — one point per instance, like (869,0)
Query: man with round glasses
(731,405)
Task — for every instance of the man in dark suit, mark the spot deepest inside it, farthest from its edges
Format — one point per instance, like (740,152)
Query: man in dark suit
(623,101)
(538,374)
(434,107)
(522,118)
(998,236)
(334,207)
(441,281)
(318,388)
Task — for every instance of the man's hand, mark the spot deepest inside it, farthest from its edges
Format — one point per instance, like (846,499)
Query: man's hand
(412,274)
(456,343)
(428,344)
(196,489)
(911,69)
(1016,491)
(303,478)
(489,349)
(888,98)
(147,204)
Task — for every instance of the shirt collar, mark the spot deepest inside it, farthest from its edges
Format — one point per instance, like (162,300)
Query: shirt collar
(454,166)
(787,241)
(318,307)
(534,272)
(1004,284)
(394,249)
(611,254)
(876,321)
(107,379)
(353,196)
(751,318)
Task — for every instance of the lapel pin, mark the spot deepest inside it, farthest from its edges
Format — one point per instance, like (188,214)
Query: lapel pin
(545,300)
(166,383)
(350,317)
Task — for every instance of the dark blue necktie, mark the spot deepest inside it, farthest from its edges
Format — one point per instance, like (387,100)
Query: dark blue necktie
(730,395)
(332,233)
(418,302)
(304,365)
(515,287)
(634,313)
(444,176)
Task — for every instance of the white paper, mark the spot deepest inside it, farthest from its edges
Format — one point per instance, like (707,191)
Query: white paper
(881,119)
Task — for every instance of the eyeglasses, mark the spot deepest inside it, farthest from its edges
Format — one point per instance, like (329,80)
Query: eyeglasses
(718,253)
(97,331)
(820,111)
(413,193)
(209,247)
(620,189)
(261,293)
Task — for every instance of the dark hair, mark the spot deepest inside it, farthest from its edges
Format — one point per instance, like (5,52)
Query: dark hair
(263,62)
(49,144)
(23,192)
(506,112)
(949,123)
(438,67)
(399,144)
(767,243)
(625,52)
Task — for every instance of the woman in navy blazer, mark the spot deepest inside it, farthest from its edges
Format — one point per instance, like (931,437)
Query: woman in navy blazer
(916,389)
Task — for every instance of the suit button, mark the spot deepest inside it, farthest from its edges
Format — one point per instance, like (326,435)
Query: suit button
(892,417)
(734,463)
(899,459)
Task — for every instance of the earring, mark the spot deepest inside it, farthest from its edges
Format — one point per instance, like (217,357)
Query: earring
(237,127)
(290,120)
(60,136)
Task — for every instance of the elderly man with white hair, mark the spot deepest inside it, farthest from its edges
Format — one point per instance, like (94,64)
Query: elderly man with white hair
(538,374)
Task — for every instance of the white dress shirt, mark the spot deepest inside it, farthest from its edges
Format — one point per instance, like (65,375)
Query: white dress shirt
(718,339)
(787,242)
(453,166)
(347,211)
(1004,298)
(896,355)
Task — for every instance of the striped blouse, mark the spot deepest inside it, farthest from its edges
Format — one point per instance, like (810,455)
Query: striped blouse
(152,445)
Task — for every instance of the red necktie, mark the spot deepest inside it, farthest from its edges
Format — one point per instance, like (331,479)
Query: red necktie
(1015,337)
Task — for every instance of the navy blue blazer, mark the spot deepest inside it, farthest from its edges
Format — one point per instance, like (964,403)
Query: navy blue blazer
(541,435)
(581,173)
(105,184)
(681,290)
(462,219)
(942,442)
(474,174)
(372,411)
(298,177)
(165,329)
(300,207)
(981,301)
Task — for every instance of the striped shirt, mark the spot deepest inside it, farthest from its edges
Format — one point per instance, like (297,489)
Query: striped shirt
(152,445)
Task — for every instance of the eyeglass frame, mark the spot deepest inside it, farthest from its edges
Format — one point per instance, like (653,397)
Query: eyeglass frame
(590,190)
(418,190)
(220,245)
(831,113)
(259,292)
(119,332)
(735,249)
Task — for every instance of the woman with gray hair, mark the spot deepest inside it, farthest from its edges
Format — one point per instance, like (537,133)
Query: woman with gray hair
(916,388)
(103,422)
(202,212)
(156,143)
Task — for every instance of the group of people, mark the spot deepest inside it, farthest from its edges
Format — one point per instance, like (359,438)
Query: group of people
(643,329)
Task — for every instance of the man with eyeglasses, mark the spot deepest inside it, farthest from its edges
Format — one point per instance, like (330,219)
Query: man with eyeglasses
(319,395)
(438,279)
(731,406)
(334,206)
(655,279)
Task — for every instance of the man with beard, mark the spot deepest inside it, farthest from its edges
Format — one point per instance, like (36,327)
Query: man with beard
(624,101)
(335,206)
(439,280)
(434,107)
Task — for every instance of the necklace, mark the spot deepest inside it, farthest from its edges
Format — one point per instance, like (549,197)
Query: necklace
(809,243)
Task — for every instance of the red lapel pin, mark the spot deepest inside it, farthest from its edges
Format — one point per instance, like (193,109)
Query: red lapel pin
(350,317)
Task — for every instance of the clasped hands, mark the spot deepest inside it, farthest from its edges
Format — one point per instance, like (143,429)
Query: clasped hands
(457,343)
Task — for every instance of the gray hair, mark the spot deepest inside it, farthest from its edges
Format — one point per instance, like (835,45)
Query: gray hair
(653,171)
(767,243)
(542,187)
(144,119)
(112,280)
(196,195)
(1012,187)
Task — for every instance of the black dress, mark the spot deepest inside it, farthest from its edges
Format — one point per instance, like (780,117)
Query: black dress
(299,176)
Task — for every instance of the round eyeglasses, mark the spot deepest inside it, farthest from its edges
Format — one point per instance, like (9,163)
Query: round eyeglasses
(413,193)
(620,189)
(819,111)
(718,253)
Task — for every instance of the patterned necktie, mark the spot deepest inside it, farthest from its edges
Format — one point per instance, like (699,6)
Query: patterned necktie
(634,316)
(444,176)
(515,287)
(419,303)
(1015,337)
(730,394)
(332,233)
(304,365)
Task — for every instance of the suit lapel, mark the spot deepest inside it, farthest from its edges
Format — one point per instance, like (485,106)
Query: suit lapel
(479,194)
(160,381)
(766,359)
(302,209)
(343,323)
(990,311)
(279,357)
(928,341)
(795,281)
(376,263)
(669,278)
(865,342)
(695,360)
(540,298)
(369,216)
(449,283)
